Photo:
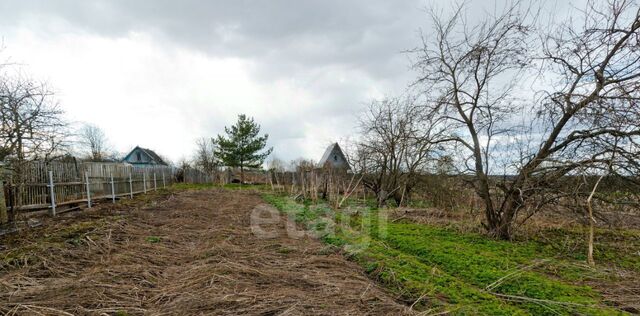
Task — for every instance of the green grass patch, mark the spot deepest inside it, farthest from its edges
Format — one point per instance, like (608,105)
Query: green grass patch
(462,273)
(616,247)
(482,262)
(153,239)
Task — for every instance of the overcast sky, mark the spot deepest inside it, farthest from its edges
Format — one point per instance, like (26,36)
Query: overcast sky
(161,74)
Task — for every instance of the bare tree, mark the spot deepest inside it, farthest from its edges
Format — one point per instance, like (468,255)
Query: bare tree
(395,145)
(302,164)
(182,169)
(94,143)
(276,168)
(32,125)
(586,110)
(276,164)
(204,157)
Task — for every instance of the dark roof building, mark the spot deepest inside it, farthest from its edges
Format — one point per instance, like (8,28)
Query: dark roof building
(334,157)
(144,156)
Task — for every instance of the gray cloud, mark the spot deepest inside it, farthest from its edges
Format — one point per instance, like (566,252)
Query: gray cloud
(338,53)
(291,34)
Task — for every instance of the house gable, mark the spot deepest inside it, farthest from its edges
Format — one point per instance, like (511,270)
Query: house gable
(143,156)
(334,157)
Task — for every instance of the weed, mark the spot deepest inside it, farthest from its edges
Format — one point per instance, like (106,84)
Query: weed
(153,239)
(284,250)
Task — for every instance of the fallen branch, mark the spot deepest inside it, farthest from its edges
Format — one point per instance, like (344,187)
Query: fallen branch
(537,300)
(513,274)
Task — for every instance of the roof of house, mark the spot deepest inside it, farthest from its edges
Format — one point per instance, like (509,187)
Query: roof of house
(328,151)
(149,152)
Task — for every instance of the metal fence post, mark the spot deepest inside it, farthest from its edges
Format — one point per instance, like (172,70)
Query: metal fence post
(144,182)
(113,189)
(130,186)
(86,179)
(155,186)
(53,194)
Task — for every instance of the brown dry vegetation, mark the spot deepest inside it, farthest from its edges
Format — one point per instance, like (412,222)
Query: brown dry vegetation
(178,252)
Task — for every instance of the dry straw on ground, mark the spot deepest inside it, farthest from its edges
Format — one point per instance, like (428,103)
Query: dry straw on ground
(179,253)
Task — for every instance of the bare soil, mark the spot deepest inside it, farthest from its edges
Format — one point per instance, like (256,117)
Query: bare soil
(179,253)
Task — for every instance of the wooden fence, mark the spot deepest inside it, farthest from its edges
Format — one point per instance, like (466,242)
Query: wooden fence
(223,176)
(192,175)
(53,185)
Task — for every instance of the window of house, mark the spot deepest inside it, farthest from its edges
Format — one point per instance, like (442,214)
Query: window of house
(335,158)
(138,156)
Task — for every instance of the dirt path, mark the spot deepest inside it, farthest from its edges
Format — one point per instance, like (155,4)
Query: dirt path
(193,252)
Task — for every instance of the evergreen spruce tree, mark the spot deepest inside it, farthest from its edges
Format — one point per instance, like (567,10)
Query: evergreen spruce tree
(242,147)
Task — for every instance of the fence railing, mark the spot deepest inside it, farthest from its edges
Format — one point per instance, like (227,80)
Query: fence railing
(52,185)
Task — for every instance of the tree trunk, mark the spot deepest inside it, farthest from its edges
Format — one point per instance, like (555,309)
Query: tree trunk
(500,229)
(4,216)
(381,197)
(592,222)
(500,222)
(241,174)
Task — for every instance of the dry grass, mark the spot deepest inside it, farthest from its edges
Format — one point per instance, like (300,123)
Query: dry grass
(188,252)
